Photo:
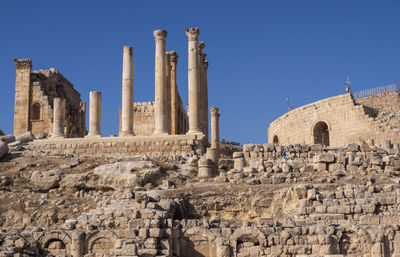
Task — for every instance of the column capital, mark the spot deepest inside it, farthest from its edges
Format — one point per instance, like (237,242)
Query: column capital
(23,63)
(214,111)
(206,64)
(202,45)
(203,57)
(160,34)
(192,33)
(173,56)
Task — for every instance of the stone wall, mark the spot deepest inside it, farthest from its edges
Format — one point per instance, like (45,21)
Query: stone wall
(157,147)
(344,122)
(34,95)
(143,118)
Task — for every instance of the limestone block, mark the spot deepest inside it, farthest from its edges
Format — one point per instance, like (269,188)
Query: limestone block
(7,139)
(239,164)
(320,166)
(3,149)
(155,233)
(25,138)
(316,148)
(205,168)
(324,158)
(237,155)
(352,147)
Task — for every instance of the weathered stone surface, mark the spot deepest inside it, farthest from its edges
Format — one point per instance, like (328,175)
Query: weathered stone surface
(43,181)
(25,137)
(7,138)
(3,149)
(118,175)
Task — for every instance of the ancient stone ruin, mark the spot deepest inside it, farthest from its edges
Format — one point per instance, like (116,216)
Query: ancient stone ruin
(370,116)
(163,188)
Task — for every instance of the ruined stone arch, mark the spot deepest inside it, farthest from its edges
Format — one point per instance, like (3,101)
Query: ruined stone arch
(36,111)
(54,242)
(100,242)
(247,234)
(320,132)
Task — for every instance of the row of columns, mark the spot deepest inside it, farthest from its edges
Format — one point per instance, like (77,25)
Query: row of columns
(166,93)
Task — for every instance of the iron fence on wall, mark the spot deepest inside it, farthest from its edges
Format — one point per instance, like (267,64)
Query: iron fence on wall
(376,91)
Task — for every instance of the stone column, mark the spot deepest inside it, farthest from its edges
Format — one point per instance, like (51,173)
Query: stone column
(174,93)
(205,98)
(160,103)
(77,244)
(23,96)
(168,84)
(201,75)
(193,80)
(58,117)
(95,114)
(127,93)
(214,127)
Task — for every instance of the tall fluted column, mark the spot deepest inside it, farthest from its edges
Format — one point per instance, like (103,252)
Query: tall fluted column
(95,114)
(214,127)
(168,84)
(160,105)
(193,80)
(174,93)
(127,93)
(201,72)
(205,95)
(58,117)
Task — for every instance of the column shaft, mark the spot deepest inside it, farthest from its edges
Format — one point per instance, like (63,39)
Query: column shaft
(174,93)
(193,80)
(205,100)
(160,104)
(58,117)
(214,127)
(127,93)
(95,114)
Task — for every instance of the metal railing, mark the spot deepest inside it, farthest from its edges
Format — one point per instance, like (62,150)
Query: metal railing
(376,91)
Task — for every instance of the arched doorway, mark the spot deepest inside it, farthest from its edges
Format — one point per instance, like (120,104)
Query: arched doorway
(321,133)
(275,140)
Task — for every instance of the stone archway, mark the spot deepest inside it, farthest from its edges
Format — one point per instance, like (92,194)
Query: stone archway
(276,140)
(321,133)
(100,243)
(55,242)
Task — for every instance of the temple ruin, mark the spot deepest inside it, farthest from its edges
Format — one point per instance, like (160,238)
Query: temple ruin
(35,92)
(162,188)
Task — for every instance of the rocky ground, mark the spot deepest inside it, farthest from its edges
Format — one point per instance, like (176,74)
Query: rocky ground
(318,202)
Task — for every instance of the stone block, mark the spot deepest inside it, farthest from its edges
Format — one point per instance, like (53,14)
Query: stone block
(324,158)
(3,149)
(155,233)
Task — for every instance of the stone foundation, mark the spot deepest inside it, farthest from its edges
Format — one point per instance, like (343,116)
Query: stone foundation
(152,146)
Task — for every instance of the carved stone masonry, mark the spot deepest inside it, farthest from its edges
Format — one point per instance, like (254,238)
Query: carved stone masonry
(173,56)
(23,63)
(192,33)
(160,34)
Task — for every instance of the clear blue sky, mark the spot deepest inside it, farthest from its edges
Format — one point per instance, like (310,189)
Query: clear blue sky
(260,52)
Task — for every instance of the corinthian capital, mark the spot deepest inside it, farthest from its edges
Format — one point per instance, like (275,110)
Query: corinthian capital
(214,111)
(192,33)
(201,45)
(23,63)
(173,56)
(160,34)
